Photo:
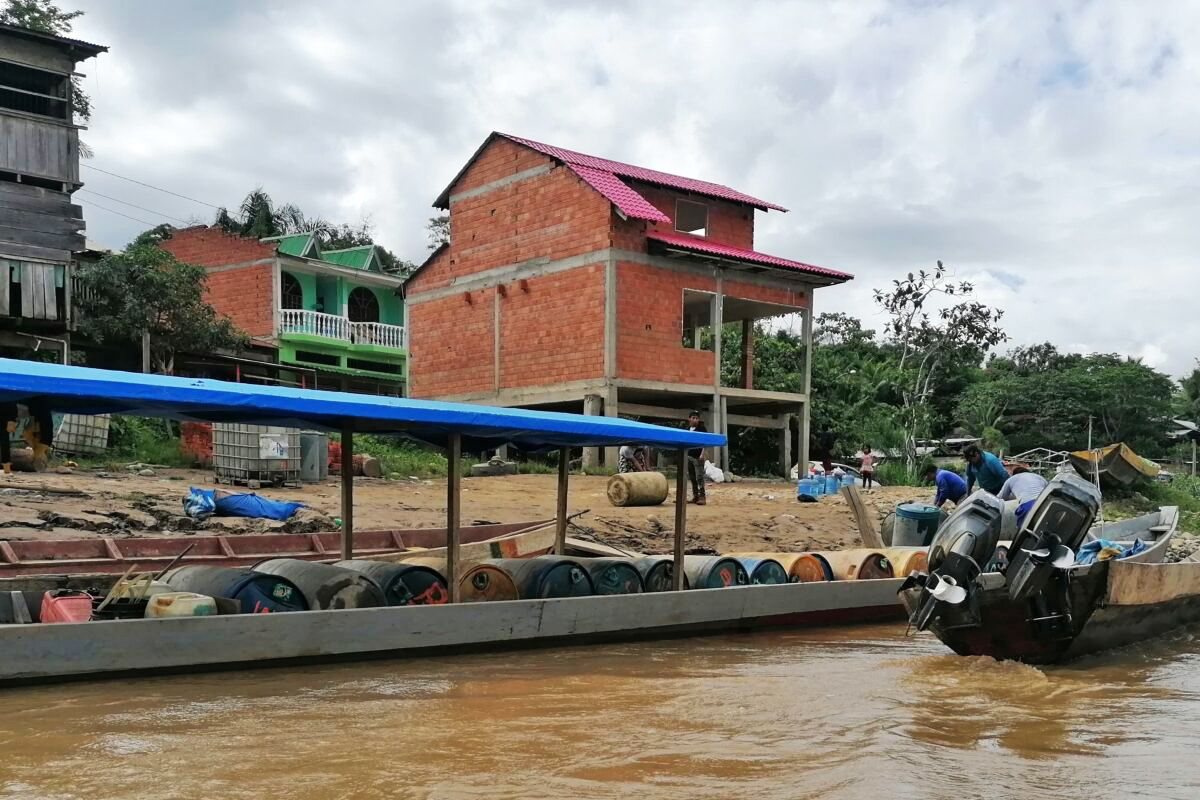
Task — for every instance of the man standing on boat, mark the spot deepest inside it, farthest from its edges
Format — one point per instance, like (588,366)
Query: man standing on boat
(695,461)
(949,485)
(1025,487)
(984,467)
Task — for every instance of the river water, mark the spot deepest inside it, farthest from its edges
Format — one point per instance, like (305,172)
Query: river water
(857,712)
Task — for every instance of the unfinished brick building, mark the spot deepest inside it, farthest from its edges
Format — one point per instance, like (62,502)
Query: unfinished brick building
(577,283)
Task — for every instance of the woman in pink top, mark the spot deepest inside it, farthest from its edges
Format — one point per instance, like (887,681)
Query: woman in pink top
(867,466)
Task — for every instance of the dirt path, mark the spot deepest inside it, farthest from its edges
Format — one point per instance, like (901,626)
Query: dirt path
(752,515)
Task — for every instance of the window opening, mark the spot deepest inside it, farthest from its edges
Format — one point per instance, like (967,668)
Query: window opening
(34,91)
(691,217)
(362,306)
(697,320)
(291,294)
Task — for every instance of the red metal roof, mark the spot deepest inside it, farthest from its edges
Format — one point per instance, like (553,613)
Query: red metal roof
(627,200)
(696,244)
(641,174)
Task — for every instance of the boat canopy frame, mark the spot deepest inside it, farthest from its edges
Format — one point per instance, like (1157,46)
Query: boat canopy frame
(451,426)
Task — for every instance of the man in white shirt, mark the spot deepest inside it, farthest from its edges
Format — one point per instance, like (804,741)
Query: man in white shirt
(1025,487)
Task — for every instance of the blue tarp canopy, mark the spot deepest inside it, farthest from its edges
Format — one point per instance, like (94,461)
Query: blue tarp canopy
(82,390)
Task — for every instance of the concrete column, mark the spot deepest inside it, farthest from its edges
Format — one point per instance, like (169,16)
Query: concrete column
(610,410)
(592,405)
(808,359)
(785,445)
(747,354)
(725,430)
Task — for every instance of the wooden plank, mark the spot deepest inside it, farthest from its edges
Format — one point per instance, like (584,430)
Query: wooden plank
(864,520)
(43,221)
(49,292)
(656,412)
(560,537)
(453,512)
(49,202)
(30,291)
(56,241)
(5,271)
(347,491)
(26,251)
(680,518)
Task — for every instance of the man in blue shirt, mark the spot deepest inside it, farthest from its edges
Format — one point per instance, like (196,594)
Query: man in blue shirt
(949,485)
(984,467)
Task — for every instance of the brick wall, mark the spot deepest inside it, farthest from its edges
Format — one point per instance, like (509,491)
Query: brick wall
(246,294)
(650,326)
(450,345)
(728,223)
(552,331)
(553,215)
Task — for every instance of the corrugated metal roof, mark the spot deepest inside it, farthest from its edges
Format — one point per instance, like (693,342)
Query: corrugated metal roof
(295,244)
(642,174)
(27,33)
(354,257)
(630,202)
(683,241)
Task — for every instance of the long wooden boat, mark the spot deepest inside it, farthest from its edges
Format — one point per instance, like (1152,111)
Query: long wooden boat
(1116,465)
(38,653)
(99,556)
(1085,609)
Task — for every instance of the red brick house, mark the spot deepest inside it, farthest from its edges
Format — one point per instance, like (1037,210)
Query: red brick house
(577,283)
(328,319)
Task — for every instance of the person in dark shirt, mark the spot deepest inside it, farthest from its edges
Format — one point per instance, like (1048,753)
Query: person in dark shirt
(949,485)
(695,461)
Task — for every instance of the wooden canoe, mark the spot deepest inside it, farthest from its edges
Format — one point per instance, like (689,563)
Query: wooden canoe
(1116,464)
(95,556)
(1086,609)
(41,653)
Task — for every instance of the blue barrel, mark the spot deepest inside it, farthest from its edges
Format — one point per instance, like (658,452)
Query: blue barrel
(916,525)
(847,480)
(764,570)
(807,487)
(832,484)
(257,593)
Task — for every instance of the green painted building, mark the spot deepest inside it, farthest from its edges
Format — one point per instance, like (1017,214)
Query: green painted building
(339,314)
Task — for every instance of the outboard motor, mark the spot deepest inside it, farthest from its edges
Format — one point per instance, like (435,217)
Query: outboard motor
(1052,532)
(963,544)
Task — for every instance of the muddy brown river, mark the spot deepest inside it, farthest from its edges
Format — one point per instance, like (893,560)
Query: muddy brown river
(832,713)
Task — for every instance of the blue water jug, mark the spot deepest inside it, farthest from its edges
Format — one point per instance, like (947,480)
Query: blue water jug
(807,486)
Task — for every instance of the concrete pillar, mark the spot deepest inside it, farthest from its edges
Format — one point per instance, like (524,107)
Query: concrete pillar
(725,430)
(785,445)
(808,359)
(747,354)
(610,410)
(592,405)
(502,452)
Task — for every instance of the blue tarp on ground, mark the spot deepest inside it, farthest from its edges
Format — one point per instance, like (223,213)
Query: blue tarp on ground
(83,390)
(202,503)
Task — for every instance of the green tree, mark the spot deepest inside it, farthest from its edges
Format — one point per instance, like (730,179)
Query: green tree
(934,344)
(1190,405)
(145,289)
(45,17)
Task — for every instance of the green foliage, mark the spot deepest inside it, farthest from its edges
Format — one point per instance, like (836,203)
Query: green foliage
(1189,399)
(44,16)
(144,440)
(1037,397)
(404,457)
(145,289)
(1183,491)
(258,216)
(437,231)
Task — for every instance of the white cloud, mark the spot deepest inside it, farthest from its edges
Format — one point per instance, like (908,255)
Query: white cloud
(1044,150)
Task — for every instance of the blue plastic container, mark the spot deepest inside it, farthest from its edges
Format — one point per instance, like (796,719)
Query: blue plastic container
(847,480)
(807,486)
(832,484)
(916,525)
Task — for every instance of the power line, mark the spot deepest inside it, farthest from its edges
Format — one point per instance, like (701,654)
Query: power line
(119,214)
(149,186)
(134,205)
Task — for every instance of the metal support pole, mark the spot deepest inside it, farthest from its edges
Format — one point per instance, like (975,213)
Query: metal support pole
(347,491)
(453,507)
(560,534)
(680,517)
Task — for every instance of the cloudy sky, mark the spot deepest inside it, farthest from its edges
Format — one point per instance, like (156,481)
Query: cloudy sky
(1047,151)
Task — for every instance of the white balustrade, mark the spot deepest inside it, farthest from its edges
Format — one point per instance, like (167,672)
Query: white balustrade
(330,326)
